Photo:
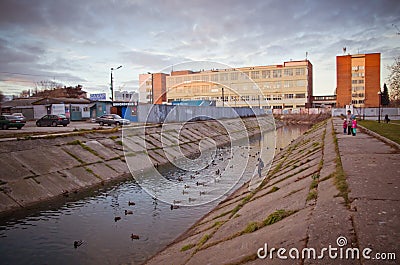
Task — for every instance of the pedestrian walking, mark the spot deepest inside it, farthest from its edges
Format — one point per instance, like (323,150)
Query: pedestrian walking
(260,166)
(349,120)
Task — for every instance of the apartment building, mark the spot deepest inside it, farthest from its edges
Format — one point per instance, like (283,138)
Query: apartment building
(358,80)
(152,88)
(283,86)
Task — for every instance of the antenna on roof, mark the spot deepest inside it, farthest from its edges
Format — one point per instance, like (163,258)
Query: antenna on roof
(306,55)
(344,50)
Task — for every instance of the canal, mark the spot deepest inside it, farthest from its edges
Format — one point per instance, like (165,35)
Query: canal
(98,221)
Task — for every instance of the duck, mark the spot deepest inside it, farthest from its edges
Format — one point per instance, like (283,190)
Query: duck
(186,186)
(78,243)
(185,192)
(202,193)
(180,178)
(117,218)
(128,212)
(192,177)
(131,203)
(133,236)
(191,199)
(175,201)
(173,206)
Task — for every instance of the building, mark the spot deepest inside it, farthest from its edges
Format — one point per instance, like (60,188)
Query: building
(358,80)
(152,88)
(125,96)
(74,108)
(324,101)
(283,86)
(20,105)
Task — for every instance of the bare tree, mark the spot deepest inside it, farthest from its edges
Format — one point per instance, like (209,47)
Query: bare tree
(394,80)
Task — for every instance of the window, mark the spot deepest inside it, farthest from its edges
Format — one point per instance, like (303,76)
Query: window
(75,108)
(214,77)
(288,72)
(268,85)
(223,77)
(255,75)
(85,109)
(266,74)
(288,83)
(300,95)
(277,107)
(277,73)
(300,71)
(205,78)
(277,84)
(234,76)
(288,95)
(186,78)
(300,83)
(178,80)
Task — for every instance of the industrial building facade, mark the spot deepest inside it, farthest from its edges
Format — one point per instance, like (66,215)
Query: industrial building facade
(358,80)
(283,86)
(276,86)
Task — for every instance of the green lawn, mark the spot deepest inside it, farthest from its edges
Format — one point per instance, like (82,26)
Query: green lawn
(390,131)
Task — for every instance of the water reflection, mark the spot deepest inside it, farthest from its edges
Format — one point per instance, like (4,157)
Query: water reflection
(47,235)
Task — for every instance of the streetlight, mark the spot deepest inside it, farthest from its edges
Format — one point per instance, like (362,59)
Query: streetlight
(152,88)
(223,97)
(112,82)
(379,107)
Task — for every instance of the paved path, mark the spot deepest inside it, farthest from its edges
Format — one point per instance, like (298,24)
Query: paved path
(303,185)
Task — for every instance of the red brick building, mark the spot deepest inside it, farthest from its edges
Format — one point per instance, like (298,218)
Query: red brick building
(358,80)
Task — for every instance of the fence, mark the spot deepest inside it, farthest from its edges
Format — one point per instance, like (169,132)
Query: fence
(169,113)
(370,113)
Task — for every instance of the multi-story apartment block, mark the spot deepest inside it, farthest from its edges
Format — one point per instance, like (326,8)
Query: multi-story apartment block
(358,80)
(152,88)
(276,86)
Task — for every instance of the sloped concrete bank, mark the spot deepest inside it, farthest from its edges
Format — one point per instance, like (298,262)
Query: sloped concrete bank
(302,203)
(37,170)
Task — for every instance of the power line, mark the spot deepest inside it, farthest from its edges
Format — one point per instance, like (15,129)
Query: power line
(12,73)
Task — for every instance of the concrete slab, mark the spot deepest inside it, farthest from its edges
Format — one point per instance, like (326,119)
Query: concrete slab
(27,191)
(81,177)
(119,166)
(44,160)
(101,150)
(280,234)
(139,162)
(79,152)
(103,171)
(11,169)
(6,203)
(57,183)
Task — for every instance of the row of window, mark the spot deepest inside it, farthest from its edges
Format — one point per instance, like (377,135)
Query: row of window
(358,74)
(357,68)
(249,97)
(358,95)
(357,88)
(220,77)
(357,81)
(360,101)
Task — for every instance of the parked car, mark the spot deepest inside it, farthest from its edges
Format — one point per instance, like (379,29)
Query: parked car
(52,120)
(112,119)
(20,116)
(8,121)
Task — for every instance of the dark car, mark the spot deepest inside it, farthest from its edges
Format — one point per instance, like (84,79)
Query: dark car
(52,120)
(112,119)
(8,121)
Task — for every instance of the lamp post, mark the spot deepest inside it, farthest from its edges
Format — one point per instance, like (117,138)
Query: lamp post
(379,107)
(152,89)
(112,82)
(223,97)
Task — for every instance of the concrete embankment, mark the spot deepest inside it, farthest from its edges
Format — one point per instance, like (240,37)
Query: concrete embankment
(37,170)
(307,201)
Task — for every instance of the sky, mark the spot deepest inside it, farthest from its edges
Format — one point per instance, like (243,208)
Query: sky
(75,42)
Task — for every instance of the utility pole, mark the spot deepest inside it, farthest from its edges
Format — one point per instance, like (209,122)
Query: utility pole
(112,82)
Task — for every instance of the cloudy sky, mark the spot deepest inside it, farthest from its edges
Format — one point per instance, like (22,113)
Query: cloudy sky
(77,42)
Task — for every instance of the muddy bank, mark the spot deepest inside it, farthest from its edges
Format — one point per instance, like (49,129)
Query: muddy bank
(301,118)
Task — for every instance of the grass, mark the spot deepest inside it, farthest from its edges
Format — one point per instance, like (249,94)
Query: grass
(312,195)
(388,130)
(277,216)
(187,247)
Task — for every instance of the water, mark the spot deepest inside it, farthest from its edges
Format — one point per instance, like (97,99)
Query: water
(46,235)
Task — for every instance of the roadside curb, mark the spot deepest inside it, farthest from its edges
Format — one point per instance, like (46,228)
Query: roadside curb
(380,137)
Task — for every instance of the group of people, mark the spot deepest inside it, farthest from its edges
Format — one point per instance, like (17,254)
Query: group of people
(350,124)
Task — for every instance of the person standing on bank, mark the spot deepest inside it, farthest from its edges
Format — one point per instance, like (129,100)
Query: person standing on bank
(344,126)
(354,127)
(260,166)
(349,119)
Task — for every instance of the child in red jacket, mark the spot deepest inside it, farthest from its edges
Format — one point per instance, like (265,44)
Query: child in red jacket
(344,126)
